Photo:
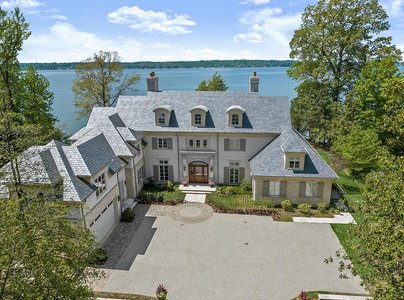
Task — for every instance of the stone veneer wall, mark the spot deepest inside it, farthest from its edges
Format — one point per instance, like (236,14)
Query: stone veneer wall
(292,190)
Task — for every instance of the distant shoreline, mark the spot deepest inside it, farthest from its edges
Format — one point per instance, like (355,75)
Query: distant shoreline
(173,64)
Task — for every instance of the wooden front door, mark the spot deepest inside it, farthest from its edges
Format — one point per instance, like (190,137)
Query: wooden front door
(198,173)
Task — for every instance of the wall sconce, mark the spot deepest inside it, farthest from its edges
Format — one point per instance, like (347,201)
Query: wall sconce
(185,168)
(211,168)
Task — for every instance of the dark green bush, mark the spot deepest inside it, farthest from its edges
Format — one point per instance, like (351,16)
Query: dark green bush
(128,215)
(98,256)
(245,187)
(169,186)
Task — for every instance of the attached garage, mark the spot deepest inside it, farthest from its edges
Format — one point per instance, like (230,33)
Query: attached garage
(103,222)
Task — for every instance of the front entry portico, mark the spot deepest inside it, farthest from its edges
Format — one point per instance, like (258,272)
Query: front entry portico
(198,172)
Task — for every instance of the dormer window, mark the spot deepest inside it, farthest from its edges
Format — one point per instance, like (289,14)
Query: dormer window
(294,162)
(162,118)
(162,115)
(235,116)
(198,119)
(234,120)
(198,115)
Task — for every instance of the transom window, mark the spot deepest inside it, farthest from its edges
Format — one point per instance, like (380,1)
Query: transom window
(311,189)
(274,188)
(162,143)
(100,184)
(163,170)
(162,118)
(197,144)
(294,162)
(198,119)
(234,119)
(234,176)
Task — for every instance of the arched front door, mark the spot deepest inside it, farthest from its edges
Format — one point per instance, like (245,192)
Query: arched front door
(198,172)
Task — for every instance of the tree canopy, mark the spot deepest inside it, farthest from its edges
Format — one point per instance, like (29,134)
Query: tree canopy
(216,83)
(100,81)
(334,42)
(42,254)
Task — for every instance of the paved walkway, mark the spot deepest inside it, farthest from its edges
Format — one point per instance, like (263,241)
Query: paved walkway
(226,256)
(342,218)
(341,297)
(195,198)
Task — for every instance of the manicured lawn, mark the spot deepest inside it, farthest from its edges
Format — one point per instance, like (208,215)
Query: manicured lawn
(122,296)
(352,189)
(244,204)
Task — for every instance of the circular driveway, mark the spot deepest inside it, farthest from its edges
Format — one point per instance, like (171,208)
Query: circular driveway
(191,212)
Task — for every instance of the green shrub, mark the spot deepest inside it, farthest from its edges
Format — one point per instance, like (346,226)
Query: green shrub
(321,207)
(304,208)
(335,211)
(98,256)
(287,205)
(169,186)
(245,187)
(226,190)
(128,215)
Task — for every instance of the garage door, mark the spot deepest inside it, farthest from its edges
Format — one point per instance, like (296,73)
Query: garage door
(103,223)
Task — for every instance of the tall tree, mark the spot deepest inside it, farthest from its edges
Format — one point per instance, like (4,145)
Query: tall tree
(216,83)
(42,254)
(13,32)
(335,40)
(100,81)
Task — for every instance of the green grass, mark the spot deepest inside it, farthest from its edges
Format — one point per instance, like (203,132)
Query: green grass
(352,194)
(236,202)
(122,296)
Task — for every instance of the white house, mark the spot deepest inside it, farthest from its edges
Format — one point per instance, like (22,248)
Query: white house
(195,137)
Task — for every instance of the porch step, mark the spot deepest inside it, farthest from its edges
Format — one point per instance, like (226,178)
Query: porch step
(197,189)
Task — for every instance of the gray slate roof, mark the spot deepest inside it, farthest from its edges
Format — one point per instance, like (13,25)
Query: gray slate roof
(107,122)
(270,160)
(56,162)
(262,114)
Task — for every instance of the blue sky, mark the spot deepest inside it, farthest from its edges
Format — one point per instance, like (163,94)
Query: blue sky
(161,30)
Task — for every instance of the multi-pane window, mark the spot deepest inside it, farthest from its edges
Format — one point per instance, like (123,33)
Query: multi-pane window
(100,184)
(311,189)
(140,174)
(162,118)
(198,119)
(197,144)
(234,144)
(294,162)
(234,176)
(163,170)
(274,188)
(234,119)
(162,143)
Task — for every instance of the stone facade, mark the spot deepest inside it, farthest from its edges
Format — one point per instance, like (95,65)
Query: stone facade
(292,190)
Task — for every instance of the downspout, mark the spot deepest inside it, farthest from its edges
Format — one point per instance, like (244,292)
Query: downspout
(178,157)
(217,158)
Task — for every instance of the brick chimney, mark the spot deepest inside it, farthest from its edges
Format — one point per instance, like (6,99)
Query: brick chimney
(152,83)
(254,82)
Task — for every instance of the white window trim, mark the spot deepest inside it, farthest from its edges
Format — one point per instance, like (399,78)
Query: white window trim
(292,161)
(234,144)
(162,143)
(101,184)
(163,170)
(234,172)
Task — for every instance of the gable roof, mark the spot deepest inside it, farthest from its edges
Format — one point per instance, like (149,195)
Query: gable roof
(262,114)
(270,160)
(104,120)
(56,162)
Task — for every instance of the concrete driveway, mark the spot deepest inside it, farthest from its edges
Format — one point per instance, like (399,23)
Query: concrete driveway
(222,256)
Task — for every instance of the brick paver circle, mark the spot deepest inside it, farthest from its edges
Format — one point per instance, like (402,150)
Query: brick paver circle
(191,212)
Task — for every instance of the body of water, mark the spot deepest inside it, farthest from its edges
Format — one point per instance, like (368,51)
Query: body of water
(273,82)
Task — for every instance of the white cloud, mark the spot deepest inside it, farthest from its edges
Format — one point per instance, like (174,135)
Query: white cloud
(396,6)
(255,2)
(20,3)
(62,42)
(271,27)
(251,37)
(149,20)
(58,17)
